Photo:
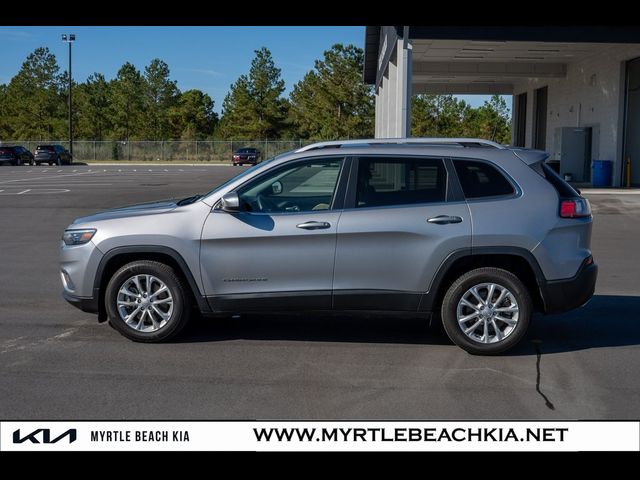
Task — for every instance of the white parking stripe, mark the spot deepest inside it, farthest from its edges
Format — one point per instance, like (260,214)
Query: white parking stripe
(24,191)
(44,178)
(65,184)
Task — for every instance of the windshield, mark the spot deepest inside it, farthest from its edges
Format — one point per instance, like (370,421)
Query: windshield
(246,172)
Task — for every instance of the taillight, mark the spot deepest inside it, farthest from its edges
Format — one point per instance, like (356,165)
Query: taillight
(575,208)
(236,157)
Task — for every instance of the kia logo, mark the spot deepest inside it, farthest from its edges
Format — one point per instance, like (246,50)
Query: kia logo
(43,435)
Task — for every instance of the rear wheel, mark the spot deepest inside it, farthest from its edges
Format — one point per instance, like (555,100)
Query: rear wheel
(486,311)
(147,301)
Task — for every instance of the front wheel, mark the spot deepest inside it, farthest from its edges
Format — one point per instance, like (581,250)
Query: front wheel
(147,301)
(486,311)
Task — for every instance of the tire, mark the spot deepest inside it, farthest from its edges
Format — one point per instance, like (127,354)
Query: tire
(511,332)
(178,312)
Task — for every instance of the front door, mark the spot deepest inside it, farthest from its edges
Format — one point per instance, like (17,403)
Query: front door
(278,251)
(396,230)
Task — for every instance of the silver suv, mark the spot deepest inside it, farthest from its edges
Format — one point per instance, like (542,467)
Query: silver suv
(469,231)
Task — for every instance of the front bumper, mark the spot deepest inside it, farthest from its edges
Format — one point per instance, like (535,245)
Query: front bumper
(86,304)
(567,294)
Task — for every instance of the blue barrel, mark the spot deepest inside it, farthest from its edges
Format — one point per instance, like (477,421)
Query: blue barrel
(602,173)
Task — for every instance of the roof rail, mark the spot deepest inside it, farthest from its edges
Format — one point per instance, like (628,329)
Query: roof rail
(463,142)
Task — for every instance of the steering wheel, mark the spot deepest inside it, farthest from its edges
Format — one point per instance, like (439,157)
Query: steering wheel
(265,204)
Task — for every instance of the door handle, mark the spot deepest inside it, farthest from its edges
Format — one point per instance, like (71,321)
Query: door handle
(314,225)
(444,219)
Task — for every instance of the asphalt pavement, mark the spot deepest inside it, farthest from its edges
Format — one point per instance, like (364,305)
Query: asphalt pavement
(57,362)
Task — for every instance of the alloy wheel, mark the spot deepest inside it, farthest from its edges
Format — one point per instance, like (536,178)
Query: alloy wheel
(487,313)
(144,303)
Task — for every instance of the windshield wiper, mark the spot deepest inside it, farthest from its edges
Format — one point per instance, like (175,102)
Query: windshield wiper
(188,200)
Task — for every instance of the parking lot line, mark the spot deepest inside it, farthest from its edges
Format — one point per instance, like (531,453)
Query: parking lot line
(44,178)
(24,191)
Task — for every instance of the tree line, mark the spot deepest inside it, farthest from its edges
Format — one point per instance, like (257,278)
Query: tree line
(330,102)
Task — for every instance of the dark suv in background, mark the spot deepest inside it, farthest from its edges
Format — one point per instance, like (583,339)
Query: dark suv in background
(52,154)
(246,155)
(15,155)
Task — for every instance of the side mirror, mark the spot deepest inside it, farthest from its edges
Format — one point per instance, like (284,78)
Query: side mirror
(230,202)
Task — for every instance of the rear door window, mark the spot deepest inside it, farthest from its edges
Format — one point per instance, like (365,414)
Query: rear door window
(400,181)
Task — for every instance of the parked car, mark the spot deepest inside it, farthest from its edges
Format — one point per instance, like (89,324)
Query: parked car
(466,231)
(15,155)
(52,154)
(246,155)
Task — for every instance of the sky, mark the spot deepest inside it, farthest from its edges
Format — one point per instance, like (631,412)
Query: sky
(206,58)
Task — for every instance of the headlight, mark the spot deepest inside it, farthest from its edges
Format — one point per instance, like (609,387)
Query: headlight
(78,237)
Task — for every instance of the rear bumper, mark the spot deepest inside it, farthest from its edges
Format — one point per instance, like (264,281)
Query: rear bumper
(562,295)
(86,304)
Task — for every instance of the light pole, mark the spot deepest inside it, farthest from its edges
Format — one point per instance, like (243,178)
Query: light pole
(70,38)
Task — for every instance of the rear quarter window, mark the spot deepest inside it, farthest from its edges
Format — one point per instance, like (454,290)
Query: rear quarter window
(563,188)
(481,179)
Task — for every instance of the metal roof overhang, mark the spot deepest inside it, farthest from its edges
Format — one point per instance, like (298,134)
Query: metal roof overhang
(474,59)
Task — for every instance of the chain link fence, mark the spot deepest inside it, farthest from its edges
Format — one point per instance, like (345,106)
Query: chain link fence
(168,150)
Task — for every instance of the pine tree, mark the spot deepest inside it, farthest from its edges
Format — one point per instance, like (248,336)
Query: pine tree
(34,102)
(92,107)
(127,99)
(161,94)
(193,118)
(332,101)
(254,107)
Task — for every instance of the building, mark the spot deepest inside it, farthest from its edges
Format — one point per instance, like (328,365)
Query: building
(576,90)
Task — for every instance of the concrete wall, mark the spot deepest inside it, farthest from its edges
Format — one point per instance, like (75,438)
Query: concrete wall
(591,93)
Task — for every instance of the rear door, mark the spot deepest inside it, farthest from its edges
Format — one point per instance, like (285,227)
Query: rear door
(403,217)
